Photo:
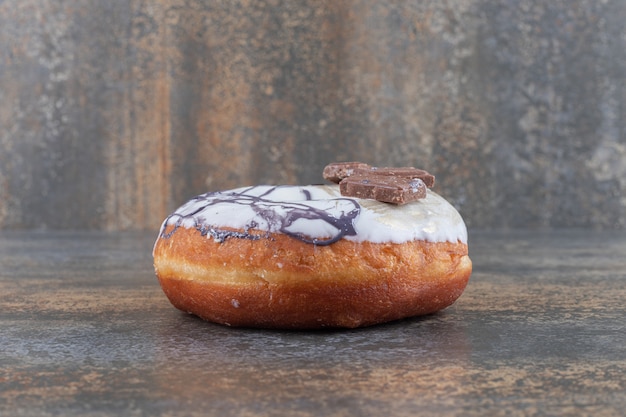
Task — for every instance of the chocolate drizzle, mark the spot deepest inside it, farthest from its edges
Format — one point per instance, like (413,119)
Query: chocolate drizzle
(281,216)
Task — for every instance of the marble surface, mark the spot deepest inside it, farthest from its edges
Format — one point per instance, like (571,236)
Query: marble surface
(132,107)
(86,330)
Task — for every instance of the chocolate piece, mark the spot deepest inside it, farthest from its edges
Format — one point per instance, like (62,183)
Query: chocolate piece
(404,172)
(390,185)
(337,171)
(384,188)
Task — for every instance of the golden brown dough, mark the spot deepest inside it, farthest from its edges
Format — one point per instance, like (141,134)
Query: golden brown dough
(277,281)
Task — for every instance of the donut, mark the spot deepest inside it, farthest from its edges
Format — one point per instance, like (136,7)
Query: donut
(310,257)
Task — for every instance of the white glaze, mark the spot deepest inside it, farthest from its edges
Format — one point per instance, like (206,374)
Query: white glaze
(432,218)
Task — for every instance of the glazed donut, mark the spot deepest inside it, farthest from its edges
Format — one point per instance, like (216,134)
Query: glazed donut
(307,257)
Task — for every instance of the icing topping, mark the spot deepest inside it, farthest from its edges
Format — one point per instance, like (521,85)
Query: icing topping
(316,214)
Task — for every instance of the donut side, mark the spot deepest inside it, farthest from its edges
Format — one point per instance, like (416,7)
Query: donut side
(275,281)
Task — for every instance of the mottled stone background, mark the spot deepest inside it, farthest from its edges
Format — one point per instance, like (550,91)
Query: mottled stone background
(112,113)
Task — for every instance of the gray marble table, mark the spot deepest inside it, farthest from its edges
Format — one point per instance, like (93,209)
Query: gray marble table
(540,330)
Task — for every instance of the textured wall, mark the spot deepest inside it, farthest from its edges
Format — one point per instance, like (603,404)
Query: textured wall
(112,113)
